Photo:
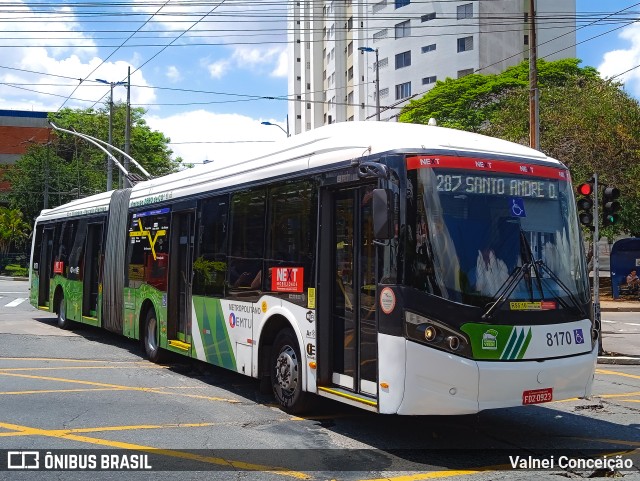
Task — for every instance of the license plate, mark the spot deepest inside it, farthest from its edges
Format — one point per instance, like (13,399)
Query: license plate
(537,396)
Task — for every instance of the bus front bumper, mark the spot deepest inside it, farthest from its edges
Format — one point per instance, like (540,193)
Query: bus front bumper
(440,383)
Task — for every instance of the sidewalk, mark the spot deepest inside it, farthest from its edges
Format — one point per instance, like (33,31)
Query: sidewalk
(620,305)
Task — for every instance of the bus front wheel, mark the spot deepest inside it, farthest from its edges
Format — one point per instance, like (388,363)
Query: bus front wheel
(151,338)
(63,322)
(286,373)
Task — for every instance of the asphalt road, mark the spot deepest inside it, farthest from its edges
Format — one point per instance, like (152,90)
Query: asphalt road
(90,393)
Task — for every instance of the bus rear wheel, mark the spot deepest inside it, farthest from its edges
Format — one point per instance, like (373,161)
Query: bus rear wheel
(286,373)
(63,322)
(151,338)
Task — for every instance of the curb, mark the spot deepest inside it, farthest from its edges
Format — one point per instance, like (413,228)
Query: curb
(620,309)
(619,360)
(9,278)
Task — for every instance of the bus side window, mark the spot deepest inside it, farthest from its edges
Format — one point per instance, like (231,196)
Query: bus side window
(210,264)
(291,232)
(77,250)
(65,232)
(247,241)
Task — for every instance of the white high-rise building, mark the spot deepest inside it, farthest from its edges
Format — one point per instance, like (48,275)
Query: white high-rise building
(417,42)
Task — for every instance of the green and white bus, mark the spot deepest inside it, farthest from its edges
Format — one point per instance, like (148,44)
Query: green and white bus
(399,268)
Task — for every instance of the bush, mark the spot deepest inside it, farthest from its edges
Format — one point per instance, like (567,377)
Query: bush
(15,270)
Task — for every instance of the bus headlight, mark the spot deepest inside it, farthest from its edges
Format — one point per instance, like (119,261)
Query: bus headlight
(436,334)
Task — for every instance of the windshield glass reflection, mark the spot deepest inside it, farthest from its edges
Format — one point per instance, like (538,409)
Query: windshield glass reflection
(479,236)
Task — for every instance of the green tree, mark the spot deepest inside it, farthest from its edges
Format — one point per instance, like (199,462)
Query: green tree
(14,231)
(588,123)
(71,167)
(467,103)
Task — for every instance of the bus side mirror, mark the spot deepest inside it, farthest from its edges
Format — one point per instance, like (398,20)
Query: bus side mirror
(383,223)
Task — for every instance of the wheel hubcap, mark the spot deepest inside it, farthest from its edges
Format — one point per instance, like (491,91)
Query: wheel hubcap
(287,369)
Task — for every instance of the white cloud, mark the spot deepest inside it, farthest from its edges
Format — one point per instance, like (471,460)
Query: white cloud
(617,61)
(173,74)
(267,60)
(45,59)
(218,69)
(282,68)
(214,136)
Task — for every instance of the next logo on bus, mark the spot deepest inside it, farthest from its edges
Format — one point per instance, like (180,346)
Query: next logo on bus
(287,279)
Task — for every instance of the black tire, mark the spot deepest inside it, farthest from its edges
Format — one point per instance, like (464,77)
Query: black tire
(151,338)
(61,309)
(286,366)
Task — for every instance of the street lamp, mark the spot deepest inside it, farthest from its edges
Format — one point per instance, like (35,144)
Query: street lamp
(276,125)
(369,49)
(109,161)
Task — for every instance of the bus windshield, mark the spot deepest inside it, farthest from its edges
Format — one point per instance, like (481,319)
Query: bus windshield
(489,231)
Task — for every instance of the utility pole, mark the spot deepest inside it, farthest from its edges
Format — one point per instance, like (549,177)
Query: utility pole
(596,261)
(534,120)
(109,160)
(369,49)
(46,174)
(127,130)
(377,87)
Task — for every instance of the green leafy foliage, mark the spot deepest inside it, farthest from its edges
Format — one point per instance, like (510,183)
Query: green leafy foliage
(16,271)
(588,123)
(14,231)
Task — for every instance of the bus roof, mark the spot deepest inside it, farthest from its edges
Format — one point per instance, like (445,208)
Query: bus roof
(314,149)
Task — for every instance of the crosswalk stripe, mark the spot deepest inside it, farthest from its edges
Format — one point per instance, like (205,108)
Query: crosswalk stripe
(16,302)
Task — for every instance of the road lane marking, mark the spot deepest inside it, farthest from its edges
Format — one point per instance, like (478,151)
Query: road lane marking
(622,442)
(118,387)
(71,360)
(112,428)
(617,373)
(626,394)
(49,391)
(59,368)
(430,475)
(26,430)
(16,302)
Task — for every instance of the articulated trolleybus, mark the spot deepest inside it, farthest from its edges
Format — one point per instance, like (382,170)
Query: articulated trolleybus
(399,268)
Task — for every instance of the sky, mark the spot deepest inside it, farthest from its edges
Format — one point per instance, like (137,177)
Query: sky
(208,73)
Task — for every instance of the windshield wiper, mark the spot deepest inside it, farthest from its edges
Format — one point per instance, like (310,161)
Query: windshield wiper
(540,264)
(524,271)
(507,288)
(512,281)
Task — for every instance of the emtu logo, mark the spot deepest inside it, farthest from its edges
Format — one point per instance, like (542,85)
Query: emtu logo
(232,320)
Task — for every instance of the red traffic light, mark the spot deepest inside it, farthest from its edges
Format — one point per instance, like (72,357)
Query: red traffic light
(585,189)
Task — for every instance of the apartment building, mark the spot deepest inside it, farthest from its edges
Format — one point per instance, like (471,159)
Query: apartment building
(334,45)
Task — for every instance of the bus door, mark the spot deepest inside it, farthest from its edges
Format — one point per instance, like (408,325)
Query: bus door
(91,274)
(180,279)
(44,267)
(353,320)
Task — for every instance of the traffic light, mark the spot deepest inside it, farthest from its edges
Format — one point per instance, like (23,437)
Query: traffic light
(585,203)
(610,205)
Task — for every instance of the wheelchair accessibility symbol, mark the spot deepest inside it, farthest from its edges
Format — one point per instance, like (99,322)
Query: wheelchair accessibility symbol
(517,207)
